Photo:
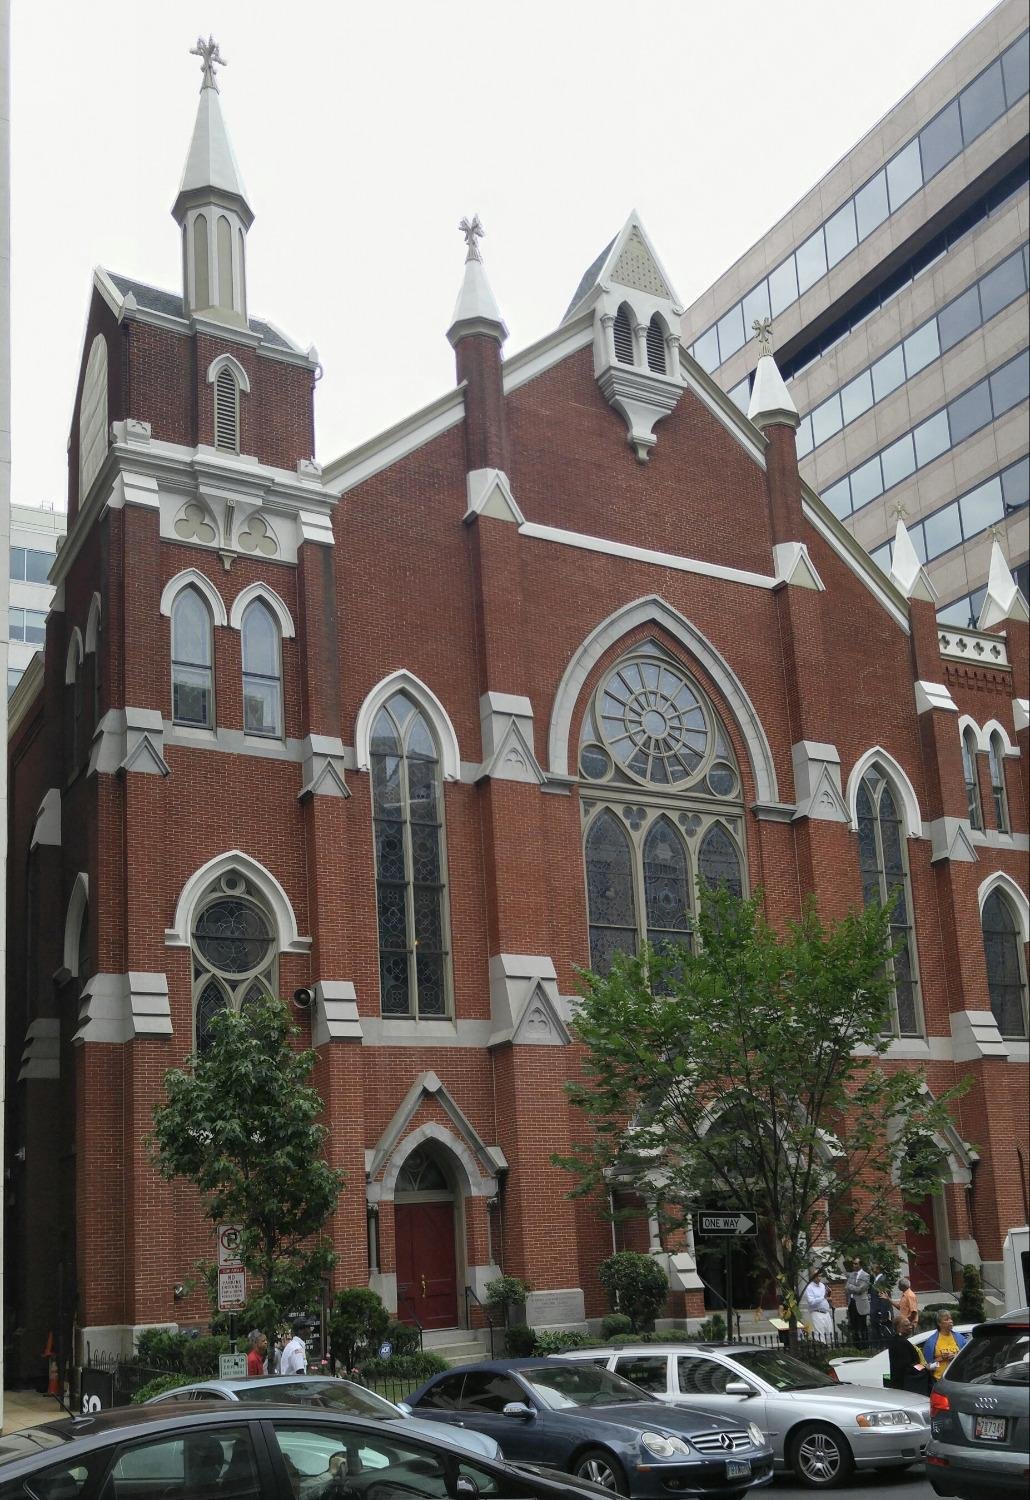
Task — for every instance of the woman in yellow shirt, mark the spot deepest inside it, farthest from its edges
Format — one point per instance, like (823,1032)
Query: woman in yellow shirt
(941,1347)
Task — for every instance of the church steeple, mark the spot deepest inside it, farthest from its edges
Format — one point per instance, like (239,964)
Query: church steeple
(212,210)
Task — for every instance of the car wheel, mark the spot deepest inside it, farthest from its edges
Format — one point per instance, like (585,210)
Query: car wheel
(820,1456)
(603,1469)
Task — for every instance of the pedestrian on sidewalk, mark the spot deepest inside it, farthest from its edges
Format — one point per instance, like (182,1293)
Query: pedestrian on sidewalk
(257,1362)
(858,1284)
(881,1312)
(294,1359)
(941,1347)
(907,1371)
(817,1307)
(908,1303)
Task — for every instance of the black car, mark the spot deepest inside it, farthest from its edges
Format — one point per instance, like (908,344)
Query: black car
(213,1451)
(593,1423)
(980,1415)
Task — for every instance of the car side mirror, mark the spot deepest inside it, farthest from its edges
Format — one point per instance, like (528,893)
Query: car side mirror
(739,1388)
(405,1408)
(518,1409)
(466,1486)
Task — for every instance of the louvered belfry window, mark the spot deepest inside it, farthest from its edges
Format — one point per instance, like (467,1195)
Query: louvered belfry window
(623,335)
(227,411)
(656,347)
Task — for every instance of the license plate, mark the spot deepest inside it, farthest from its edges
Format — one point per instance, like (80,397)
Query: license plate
(738,1468)
(990,1429)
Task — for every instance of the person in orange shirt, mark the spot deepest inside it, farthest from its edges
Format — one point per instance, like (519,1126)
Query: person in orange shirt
(908,1303)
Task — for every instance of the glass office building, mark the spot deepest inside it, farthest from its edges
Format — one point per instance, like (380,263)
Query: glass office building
(898,293)
(34,540)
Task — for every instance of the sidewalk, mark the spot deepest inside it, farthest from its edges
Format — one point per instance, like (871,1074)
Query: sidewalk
(28,1409)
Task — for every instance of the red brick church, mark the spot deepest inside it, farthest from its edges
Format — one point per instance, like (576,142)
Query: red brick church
(424,729)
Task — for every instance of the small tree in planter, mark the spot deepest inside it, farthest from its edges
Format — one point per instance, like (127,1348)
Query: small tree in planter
(505,1293)
(636,1286)
(971,1298)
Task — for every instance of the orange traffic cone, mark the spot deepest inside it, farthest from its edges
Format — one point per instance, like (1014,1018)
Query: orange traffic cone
(49,1351)
(54,1383)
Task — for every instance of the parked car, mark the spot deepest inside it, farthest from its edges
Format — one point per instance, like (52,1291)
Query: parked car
(588,1422)
(874,1369)
(817,1427)
(213,1451)
(344,1396)
(980,1415)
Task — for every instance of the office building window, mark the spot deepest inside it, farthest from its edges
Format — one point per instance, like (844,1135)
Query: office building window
(28,625)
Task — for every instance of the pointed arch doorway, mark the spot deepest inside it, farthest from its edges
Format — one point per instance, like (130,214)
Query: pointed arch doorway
(426,1213)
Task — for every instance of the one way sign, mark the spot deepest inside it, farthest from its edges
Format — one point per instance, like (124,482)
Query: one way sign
(736,1222)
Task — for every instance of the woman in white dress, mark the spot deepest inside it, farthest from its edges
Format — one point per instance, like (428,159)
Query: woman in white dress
(816,1307)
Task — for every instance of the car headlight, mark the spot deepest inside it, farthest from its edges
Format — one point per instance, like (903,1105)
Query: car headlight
(756,1434)
(660,1446)
(884,1419)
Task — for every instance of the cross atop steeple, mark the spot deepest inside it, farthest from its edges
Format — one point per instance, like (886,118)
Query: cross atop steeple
(763,334)
(473,231)
(209,54)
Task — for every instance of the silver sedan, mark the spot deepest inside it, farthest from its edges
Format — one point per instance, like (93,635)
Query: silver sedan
(819,1428)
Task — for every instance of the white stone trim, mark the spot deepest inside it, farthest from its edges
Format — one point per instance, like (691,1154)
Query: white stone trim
(47,828)
(118,1007)
(549,351)
(817,782)
(587,543)
(398,681)
(193,577)
(334,1016)
(966,722)
(652,610)
(930,695)
(93,623)
(854,556)
(228,362)
(912,817)
(287,934)
(388,447)
(77,903)
(73,657)
(1021,713)
(951,838)
(41,1054)
(991,727)
(1000,880)
(277,605)
(476,1184)
(794,565)
(975,1034)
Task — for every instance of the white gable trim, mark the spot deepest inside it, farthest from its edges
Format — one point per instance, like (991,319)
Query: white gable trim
(404,681)
(193,577)
(993,727)
(395,443)
(645,554)
(854,556)
(228,362)
(899,779)
(652,610)
(999,880)
(269,596)
(287,935)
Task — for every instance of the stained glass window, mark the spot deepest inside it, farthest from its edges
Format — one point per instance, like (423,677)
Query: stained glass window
(234,952)
(262,672)
(610,897)
(192,674)
(653,723)
(1006,978)
(884,872)
(666,886)
(1001,806)
(972,783)
(421,1173)
(407,799)
(719,862)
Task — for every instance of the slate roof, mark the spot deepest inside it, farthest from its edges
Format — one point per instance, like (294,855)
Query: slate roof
(153,299)
(590,275)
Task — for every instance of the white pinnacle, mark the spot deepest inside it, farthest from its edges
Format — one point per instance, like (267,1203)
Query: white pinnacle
(1004,599)
(907,572)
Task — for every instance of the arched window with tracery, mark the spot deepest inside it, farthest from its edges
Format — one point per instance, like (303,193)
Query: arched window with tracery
(656,346)
(998,796)
(234,952)
(883,862)
(193,690)
(411,870)
(262,672)
(1006,965)
(976,817)
(662,805)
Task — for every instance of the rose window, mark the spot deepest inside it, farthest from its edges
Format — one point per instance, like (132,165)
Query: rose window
(652,722)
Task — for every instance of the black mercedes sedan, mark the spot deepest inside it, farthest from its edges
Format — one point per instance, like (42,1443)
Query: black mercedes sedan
(594,1424)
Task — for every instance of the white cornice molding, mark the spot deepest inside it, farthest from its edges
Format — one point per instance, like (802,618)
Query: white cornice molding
(854,556)
(588,543)
(395,443)
(549,351)
(25,694)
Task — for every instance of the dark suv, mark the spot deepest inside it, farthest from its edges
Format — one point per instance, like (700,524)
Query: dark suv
(980,1415)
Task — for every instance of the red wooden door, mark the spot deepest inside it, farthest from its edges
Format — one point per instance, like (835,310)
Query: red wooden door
(923,1266)
(427,1279)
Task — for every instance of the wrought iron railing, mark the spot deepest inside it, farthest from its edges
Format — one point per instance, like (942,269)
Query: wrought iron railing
(486,1310)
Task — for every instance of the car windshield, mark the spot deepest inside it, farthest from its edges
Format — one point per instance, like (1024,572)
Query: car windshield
(782,1371)
(341,1395)
(558,1386)
(1000,1356)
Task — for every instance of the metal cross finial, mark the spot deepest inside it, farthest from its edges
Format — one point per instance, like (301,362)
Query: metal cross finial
(472,231)
(763,333)
(899,512)
(209,54)
(996,532)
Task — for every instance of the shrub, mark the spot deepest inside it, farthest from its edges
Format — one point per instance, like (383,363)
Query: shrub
(557,1340)
(971,1298)
(614,1324)
(929,1315)
(200,1356)
(161,1347)
(713,1329)
(413,1367)
(636,1286)
(403,1337)
(506,1292)
(357,1325)
(155,1387)
(519,1341)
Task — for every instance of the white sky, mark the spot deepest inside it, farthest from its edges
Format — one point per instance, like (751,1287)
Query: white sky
(365,132)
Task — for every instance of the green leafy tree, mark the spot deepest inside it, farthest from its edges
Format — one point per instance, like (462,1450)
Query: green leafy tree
(241,1123)
(357,1325)
(636,1286)
(749,1072)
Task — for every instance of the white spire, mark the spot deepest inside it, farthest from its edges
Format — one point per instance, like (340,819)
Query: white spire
(1004,599)
(771,402)
(212,208)
(476,309)
(907,572)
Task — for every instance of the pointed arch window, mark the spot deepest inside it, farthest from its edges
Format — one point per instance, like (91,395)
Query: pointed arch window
(998,794)
(193,693)
(262,672)
(883,863)
(975,811)
(1006,966)
(622,335)
(233,946)
(719,862)
(411,881)
(656,346)
(227,411)
(611,898)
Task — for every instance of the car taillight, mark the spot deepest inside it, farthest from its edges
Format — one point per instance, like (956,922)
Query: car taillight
(939,1402)
(833,1374)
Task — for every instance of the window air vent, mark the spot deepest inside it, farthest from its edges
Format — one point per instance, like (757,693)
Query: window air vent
(656,347)
(227,412)
(623,335)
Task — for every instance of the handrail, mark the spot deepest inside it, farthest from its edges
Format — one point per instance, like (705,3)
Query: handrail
(486,1313)
(408,1297)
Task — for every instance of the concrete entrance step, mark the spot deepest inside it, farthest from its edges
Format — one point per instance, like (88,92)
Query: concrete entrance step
(458,1346)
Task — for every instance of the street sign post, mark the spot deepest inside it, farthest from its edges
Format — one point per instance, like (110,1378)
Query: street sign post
(232,1367)
(232,1280)
(729,1225)
(229,1245)
(232,1289)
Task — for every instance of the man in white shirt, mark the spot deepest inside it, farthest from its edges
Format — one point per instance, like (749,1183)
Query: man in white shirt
(294,1359)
